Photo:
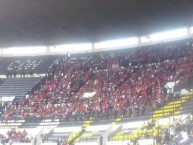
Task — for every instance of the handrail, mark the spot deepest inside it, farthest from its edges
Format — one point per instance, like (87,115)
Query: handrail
(189,141)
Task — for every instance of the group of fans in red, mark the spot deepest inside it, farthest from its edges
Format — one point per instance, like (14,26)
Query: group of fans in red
(14,136)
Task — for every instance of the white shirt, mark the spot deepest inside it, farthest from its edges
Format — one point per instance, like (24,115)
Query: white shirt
(185,137)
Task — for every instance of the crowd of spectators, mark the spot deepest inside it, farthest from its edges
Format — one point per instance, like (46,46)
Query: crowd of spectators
(14,136)
(130,83)
(63,141)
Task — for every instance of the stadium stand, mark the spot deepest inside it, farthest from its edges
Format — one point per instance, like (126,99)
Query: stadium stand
(111,78)
(100,89)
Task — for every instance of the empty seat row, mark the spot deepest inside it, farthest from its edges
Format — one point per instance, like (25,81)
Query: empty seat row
(17,86)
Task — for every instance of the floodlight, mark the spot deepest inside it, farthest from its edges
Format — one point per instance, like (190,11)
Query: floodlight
(169,34)
(72,47)
(191,30)
(145,39)
(117,43)
(24,50)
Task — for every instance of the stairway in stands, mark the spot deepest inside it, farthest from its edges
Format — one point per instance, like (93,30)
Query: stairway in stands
(118,119)
(96,134)
(75,135)
(173,108)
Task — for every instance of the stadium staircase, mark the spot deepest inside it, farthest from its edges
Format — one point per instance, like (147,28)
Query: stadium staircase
(118,120)
(173,108)
(87,135)
(76,135)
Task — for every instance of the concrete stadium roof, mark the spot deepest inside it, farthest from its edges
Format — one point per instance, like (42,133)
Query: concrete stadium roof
(50,22)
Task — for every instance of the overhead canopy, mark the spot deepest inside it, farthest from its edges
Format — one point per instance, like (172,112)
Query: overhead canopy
(50,22)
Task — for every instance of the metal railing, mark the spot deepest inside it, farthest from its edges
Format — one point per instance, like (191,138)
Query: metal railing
(189,142)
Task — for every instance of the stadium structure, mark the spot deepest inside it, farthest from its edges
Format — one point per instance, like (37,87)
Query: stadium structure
(96,72)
